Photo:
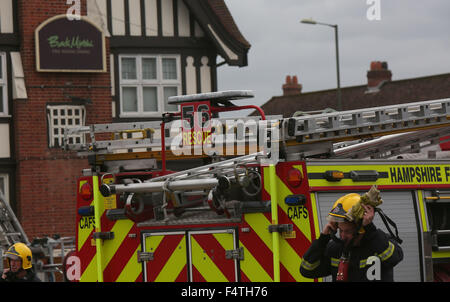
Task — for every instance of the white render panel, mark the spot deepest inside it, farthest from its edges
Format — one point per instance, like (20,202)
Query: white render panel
(205,75)
(183,20)
(118,17)
(167,18)
(18,80)
(97,13)
(151,18)
(5,151)
(3,85)
(135,17)
(112,74)
(113,109)
(6,17)
(231,55)
(4,187)
(191,79)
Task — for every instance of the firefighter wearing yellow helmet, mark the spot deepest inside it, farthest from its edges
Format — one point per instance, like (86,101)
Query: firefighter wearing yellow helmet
(351,256)
(20,268)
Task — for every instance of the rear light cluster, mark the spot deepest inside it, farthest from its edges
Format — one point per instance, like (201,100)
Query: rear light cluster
(86,191)
(294,177)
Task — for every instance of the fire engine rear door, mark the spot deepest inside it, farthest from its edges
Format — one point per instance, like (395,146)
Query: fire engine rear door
(164,257)
(214,256)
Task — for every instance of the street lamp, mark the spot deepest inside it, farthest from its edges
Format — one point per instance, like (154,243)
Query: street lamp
(312,22)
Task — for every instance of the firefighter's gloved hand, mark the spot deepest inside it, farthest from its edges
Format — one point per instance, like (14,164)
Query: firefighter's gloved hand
(371,198)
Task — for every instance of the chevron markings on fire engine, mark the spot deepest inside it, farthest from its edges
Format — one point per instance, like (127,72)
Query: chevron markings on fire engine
(170,258)
(170,254)
(258,266)
(291,249)
(212,266)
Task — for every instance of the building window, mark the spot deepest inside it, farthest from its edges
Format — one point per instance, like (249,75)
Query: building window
(146,82)
(3,85)
(63,117)
(4,186)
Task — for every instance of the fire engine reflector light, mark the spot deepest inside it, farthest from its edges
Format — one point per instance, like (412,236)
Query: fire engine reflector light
(295,200)
(86,211)
(334,175)
(86,191)
(294,177)
(364,175)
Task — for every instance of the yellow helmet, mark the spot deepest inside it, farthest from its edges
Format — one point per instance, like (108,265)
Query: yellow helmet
(341,210)
(20,251)
(348,207)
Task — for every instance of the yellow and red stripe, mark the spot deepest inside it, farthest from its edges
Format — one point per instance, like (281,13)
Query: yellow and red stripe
(199,253)
(258,243)
(118,252)
(208,257)
(169,264)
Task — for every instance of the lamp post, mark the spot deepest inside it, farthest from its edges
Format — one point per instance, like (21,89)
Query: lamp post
(339,96)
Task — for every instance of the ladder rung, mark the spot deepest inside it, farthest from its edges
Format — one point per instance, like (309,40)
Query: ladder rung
(434,199)
(442,232)
(442,248)
(13,234)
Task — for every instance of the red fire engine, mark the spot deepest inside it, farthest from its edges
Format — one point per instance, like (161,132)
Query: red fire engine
(193,197)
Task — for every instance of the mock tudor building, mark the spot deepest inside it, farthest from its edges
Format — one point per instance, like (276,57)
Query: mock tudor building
(65,65)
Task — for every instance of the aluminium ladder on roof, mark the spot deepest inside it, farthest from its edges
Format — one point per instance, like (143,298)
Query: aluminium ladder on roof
(110,146)
(393,145)
(368,122)
(301,131)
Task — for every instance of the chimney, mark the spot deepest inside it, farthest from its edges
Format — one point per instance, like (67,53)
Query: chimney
(378,74)
(291,87)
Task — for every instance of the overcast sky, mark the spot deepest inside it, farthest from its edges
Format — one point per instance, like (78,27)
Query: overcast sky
(413,36)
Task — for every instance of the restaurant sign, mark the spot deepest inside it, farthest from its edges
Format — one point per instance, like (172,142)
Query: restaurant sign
(64,45)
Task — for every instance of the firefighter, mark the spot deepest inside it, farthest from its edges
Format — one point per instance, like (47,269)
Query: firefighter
(20,267)
(349,258)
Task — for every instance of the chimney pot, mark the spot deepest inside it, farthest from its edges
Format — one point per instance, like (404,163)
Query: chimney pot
(378,74)
(291,87)
(375,65)
(288,79)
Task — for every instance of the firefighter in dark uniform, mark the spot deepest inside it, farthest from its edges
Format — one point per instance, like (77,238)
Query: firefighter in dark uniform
(20,267)
(350,258)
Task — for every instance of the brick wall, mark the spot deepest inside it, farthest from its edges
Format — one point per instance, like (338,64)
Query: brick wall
(46,177)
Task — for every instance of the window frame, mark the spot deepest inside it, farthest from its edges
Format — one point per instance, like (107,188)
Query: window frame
(51,125)
(4,85)
(139,83)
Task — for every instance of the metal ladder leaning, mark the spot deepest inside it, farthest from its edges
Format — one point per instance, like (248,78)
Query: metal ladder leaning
(11,230)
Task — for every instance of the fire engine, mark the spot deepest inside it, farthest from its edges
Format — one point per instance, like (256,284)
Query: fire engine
(193,197)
